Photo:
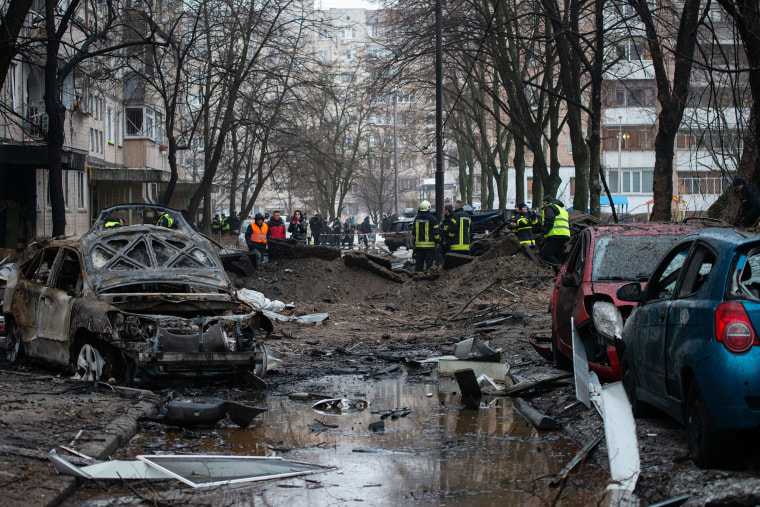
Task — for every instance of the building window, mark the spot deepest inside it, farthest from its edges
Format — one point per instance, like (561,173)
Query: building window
(348,33)
(630,181)
(684,141)
(322,34)
(80,190)
(703,183)
(348,55)
(322,56)
(345,77)
(119,130)
(12,77)
(140,122)
(109,125)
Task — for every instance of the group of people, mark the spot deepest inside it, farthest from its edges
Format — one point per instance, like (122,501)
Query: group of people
(337,233)
(454,233)
(261,230)
(226,225)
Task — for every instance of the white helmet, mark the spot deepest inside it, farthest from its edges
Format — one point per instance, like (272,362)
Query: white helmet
(425,206)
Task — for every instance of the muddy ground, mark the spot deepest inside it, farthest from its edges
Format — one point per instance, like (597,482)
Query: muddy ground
(370,319)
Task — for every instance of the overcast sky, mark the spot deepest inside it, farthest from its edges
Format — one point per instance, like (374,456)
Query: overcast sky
(344,4)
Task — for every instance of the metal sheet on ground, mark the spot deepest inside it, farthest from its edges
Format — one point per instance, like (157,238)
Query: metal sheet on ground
(580,368)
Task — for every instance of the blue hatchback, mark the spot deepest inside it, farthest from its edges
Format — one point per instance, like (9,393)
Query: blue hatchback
(690,346)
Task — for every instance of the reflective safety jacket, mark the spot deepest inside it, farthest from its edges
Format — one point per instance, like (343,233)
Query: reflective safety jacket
(555,220)
(425,230)
(165,221)
(524,231)
(256,237)
(226,225)
(459,231)
(112,223)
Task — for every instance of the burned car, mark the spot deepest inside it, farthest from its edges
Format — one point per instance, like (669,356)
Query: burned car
(133,300)
(602,258)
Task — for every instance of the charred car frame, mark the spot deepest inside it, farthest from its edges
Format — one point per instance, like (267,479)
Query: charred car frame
(133,300)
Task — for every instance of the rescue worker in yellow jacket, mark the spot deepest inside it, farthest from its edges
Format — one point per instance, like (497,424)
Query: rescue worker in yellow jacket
(256,238)
(523,224)
(459,232)
(555,226)
(426,237)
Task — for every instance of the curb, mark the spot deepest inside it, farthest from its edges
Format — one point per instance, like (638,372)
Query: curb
(116,434)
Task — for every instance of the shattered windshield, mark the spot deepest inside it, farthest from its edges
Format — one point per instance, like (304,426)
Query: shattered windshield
(629,257)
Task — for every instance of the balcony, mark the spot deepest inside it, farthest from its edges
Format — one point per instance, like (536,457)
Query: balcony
(35,122)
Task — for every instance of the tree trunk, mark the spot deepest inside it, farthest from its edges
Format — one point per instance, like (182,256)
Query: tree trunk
(56,113)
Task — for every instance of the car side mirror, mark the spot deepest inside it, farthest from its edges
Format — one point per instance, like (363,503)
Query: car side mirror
(568,280)
(630,292)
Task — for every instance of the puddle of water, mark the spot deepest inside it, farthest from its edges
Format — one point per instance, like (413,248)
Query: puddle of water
(441,453)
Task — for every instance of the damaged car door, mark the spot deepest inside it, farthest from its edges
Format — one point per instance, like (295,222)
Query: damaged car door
(56,299)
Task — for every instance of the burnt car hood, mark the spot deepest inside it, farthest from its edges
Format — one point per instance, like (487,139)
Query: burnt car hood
(145,254)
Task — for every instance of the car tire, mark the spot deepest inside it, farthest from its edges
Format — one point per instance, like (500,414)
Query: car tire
(560,361)
(477,250)
(703,446)
(15,347)
(89,363)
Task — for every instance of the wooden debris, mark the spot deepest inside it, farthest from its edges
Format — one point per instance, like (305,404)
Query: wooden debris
(292,249)
(525,386)
(590,445)
(361,260)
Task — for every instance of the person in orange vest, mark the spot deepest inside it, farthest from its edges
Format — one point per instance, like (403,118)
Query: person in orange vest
(256,238)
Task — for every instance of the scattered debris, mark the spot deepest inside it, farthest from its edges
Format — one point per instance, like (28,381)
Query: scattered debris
(339,404)
(536,418)
(525,386)
(394,414)
(476,350)
(590,445)
(195,470)
(468,383)
(377,426)
(190,415)
(319,426)
(497,371)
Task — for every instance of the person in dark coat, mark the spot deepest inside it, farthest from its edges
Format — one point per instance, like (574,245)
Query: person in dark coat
(336,231)
(316,228)
(297,228)
(348,234)
(750,199)
(366,229)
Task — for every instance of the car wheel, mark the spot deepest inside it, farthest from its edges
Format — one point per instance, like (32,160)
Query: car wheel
(560,360)
(629,384)
(89,364)
(15,350)
(702,443)
(477,250)
(260,362)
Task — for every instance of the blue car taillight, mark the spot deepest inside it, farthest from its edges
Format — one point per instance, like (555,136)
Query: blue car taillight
(733,327)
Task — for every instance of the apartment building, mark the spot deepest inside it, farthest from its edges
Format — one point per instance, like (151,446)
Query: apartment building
(114,150)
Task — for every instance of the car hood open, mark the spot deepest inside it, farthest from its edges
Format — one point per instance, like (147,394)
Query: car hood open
(149,254)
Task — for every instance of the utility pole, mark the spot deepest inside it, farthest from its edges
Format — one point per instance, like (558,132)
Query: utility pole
(395,157)
(438,111)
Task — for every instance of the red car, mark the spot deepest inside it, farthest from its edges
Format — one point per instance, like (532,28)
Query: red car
(603,258)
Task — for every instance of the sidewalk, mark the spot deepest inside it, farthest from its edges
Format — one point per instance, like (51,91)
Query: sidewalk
(42,412)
